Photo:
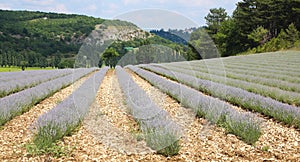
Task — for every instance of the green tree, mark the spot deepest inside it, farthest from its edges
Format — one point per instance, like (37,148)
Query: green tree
(273,15)
(260,35)
(201,45)
(109,57)
(228,39)
(66,63)
(23,64)
(214,19)
(292,34)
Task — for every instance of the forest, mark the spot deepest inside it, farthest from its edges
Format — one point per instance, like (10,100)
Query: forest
(255,26)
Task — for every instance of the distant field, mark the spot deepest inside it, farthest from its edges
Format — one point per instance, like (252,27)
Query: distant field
(11,69)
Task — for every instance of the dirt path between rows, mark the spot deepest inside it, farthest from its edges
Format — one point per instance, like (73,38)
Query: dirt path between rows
(110,122)
(17,132)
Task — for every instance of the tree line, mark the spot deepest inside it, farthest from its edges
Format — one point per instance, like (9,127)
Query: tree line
(255,26)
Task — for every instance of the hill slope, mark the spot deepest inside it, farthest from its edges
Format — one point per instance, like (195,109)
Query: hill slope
(43,39)
(50,39)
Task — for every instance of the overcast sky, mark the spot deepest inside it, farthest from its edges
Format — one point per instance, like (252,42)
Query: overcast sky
(179,13)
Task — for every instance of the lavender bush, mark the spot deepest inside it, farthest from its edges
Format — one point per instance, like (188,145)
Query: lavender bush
(280,74)
(7,76)
(264,72)
(243,75)
(18,84)
(265,105)
(22,101)
(66,116)
(161,132)
(214,110)
(273,92)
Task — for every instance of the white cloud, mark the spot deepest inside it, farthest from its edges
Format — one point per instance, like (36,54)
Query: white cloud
(4,6)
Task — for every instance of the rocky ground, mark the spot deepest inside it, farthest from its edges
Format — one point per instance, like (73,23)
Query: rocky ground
(109,133)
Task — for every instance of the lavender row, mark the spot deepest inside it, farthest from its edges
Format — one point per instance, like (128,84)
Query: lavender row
(275,56)
(279,90)
(273,92)
(226,65)
(254,67)
(282,71)
(284,85)
(7,76)
(161,132)
(278,64)
(285,82)
(244,125)
(213,64)
(288,83)
(251,72)
(12,86)
(265,105)
(22,101)
(67,115)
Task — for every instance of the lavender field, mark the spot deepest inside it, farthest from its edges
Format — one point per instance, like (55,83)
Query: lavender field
(223,109)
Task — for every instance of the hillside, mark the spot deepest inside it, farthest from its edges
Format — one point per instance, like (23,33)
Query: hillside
(44,39)
(170,36)
(38,39)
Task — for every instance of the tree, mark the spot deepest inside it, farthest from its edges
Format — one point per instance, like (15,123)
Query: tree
(292,33)
(23,65)
(214,19)
(66,63)
(56,59)
(259,35)
(273,15)
(201,45)
(109,57)
(228,39)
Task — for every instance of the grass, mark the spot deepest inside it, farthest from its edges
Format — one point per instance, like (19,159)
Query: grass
(53,150)
(15,68)
(265,148)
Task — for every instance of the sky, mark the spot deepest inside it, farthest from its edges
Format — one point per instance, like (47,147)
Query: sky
(146,14)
